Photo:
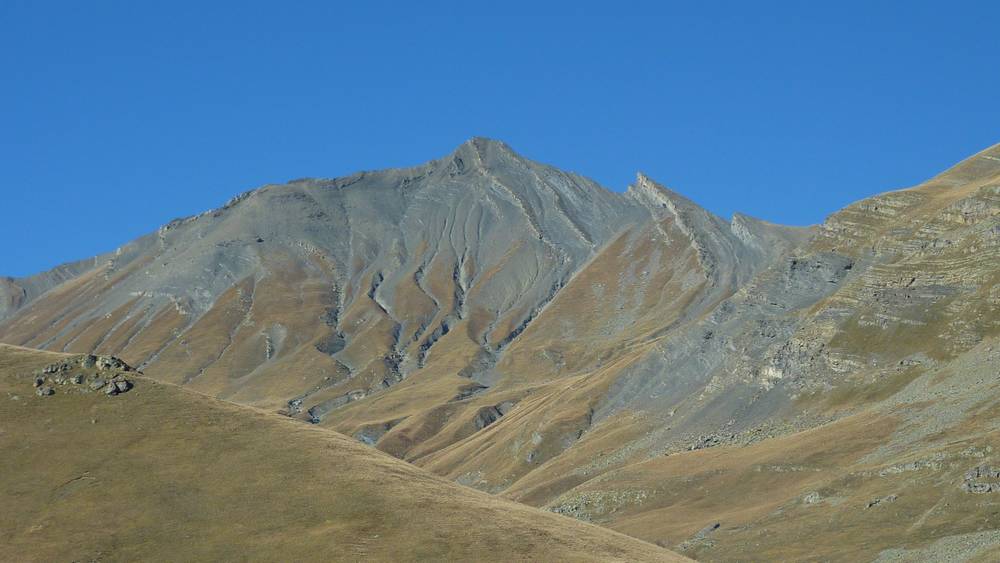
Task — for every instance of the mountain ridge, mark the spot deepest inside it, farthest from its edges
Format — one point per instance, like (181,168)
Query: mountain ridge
(991,152)
(473,146)
(524,331)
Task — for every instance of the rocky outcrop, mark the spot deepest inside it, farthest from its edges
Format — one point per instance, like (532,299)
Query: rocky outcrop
(84,374)
(981,479)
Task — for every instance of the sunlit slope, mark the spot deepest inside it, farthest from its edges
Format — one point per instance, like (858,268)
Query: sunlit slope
(892,288)
(867,422)
(562,365)
(914,474)
(161,473)
(409,308)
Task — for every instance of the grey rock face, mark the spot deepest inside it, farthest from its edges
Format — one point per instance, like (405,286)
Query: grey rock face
(105,363)
(488,415)
(96,373)
(981,479)
(881,501)
(509,232)
(482,239)
(704,532)
(117,386)
(317,412)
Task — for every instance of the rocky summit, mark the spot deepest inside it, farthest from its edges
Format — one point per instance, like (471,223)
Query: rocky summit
(730,389)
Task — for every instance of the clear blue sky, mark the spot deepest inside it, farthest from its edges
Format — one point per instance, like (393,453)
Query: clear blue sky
(119,116)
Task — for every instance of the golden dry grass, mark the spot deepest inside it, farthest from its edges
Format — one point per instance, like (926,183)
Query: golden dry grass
(801,497)
(163,473)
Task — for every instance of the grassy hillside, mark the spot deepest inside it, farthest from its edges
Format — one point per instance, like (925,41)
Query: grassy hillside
(162,473)
(914,477)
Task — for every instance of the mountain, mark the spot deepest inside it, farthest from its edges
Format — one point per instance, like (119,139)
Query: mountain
(240,484)
(625,358)
(311,296)
(859,378)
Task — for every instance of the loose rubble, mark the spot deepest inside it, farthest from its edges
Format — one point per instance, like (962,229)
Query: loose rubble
(981,479)
(85,374)
(700,539)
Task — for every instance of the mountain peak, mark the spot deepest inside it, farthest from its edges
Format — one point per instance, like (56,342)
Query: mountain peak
(483,142)
(479,152)
(649,191)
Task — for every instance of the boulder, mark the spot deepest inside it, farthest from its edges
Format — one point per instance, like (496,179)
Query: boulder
(105,363)
(44,391)
(981,479)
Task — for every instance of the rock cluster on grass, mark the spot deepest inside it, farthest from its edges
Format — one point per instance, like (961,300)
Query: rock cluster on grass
(880,501)
(982,479)
(85,374)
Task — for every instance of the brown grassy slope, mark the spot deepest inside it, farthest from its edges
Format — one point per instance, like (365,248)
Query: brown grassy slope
(162,473)
(808,495)
(797,498)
